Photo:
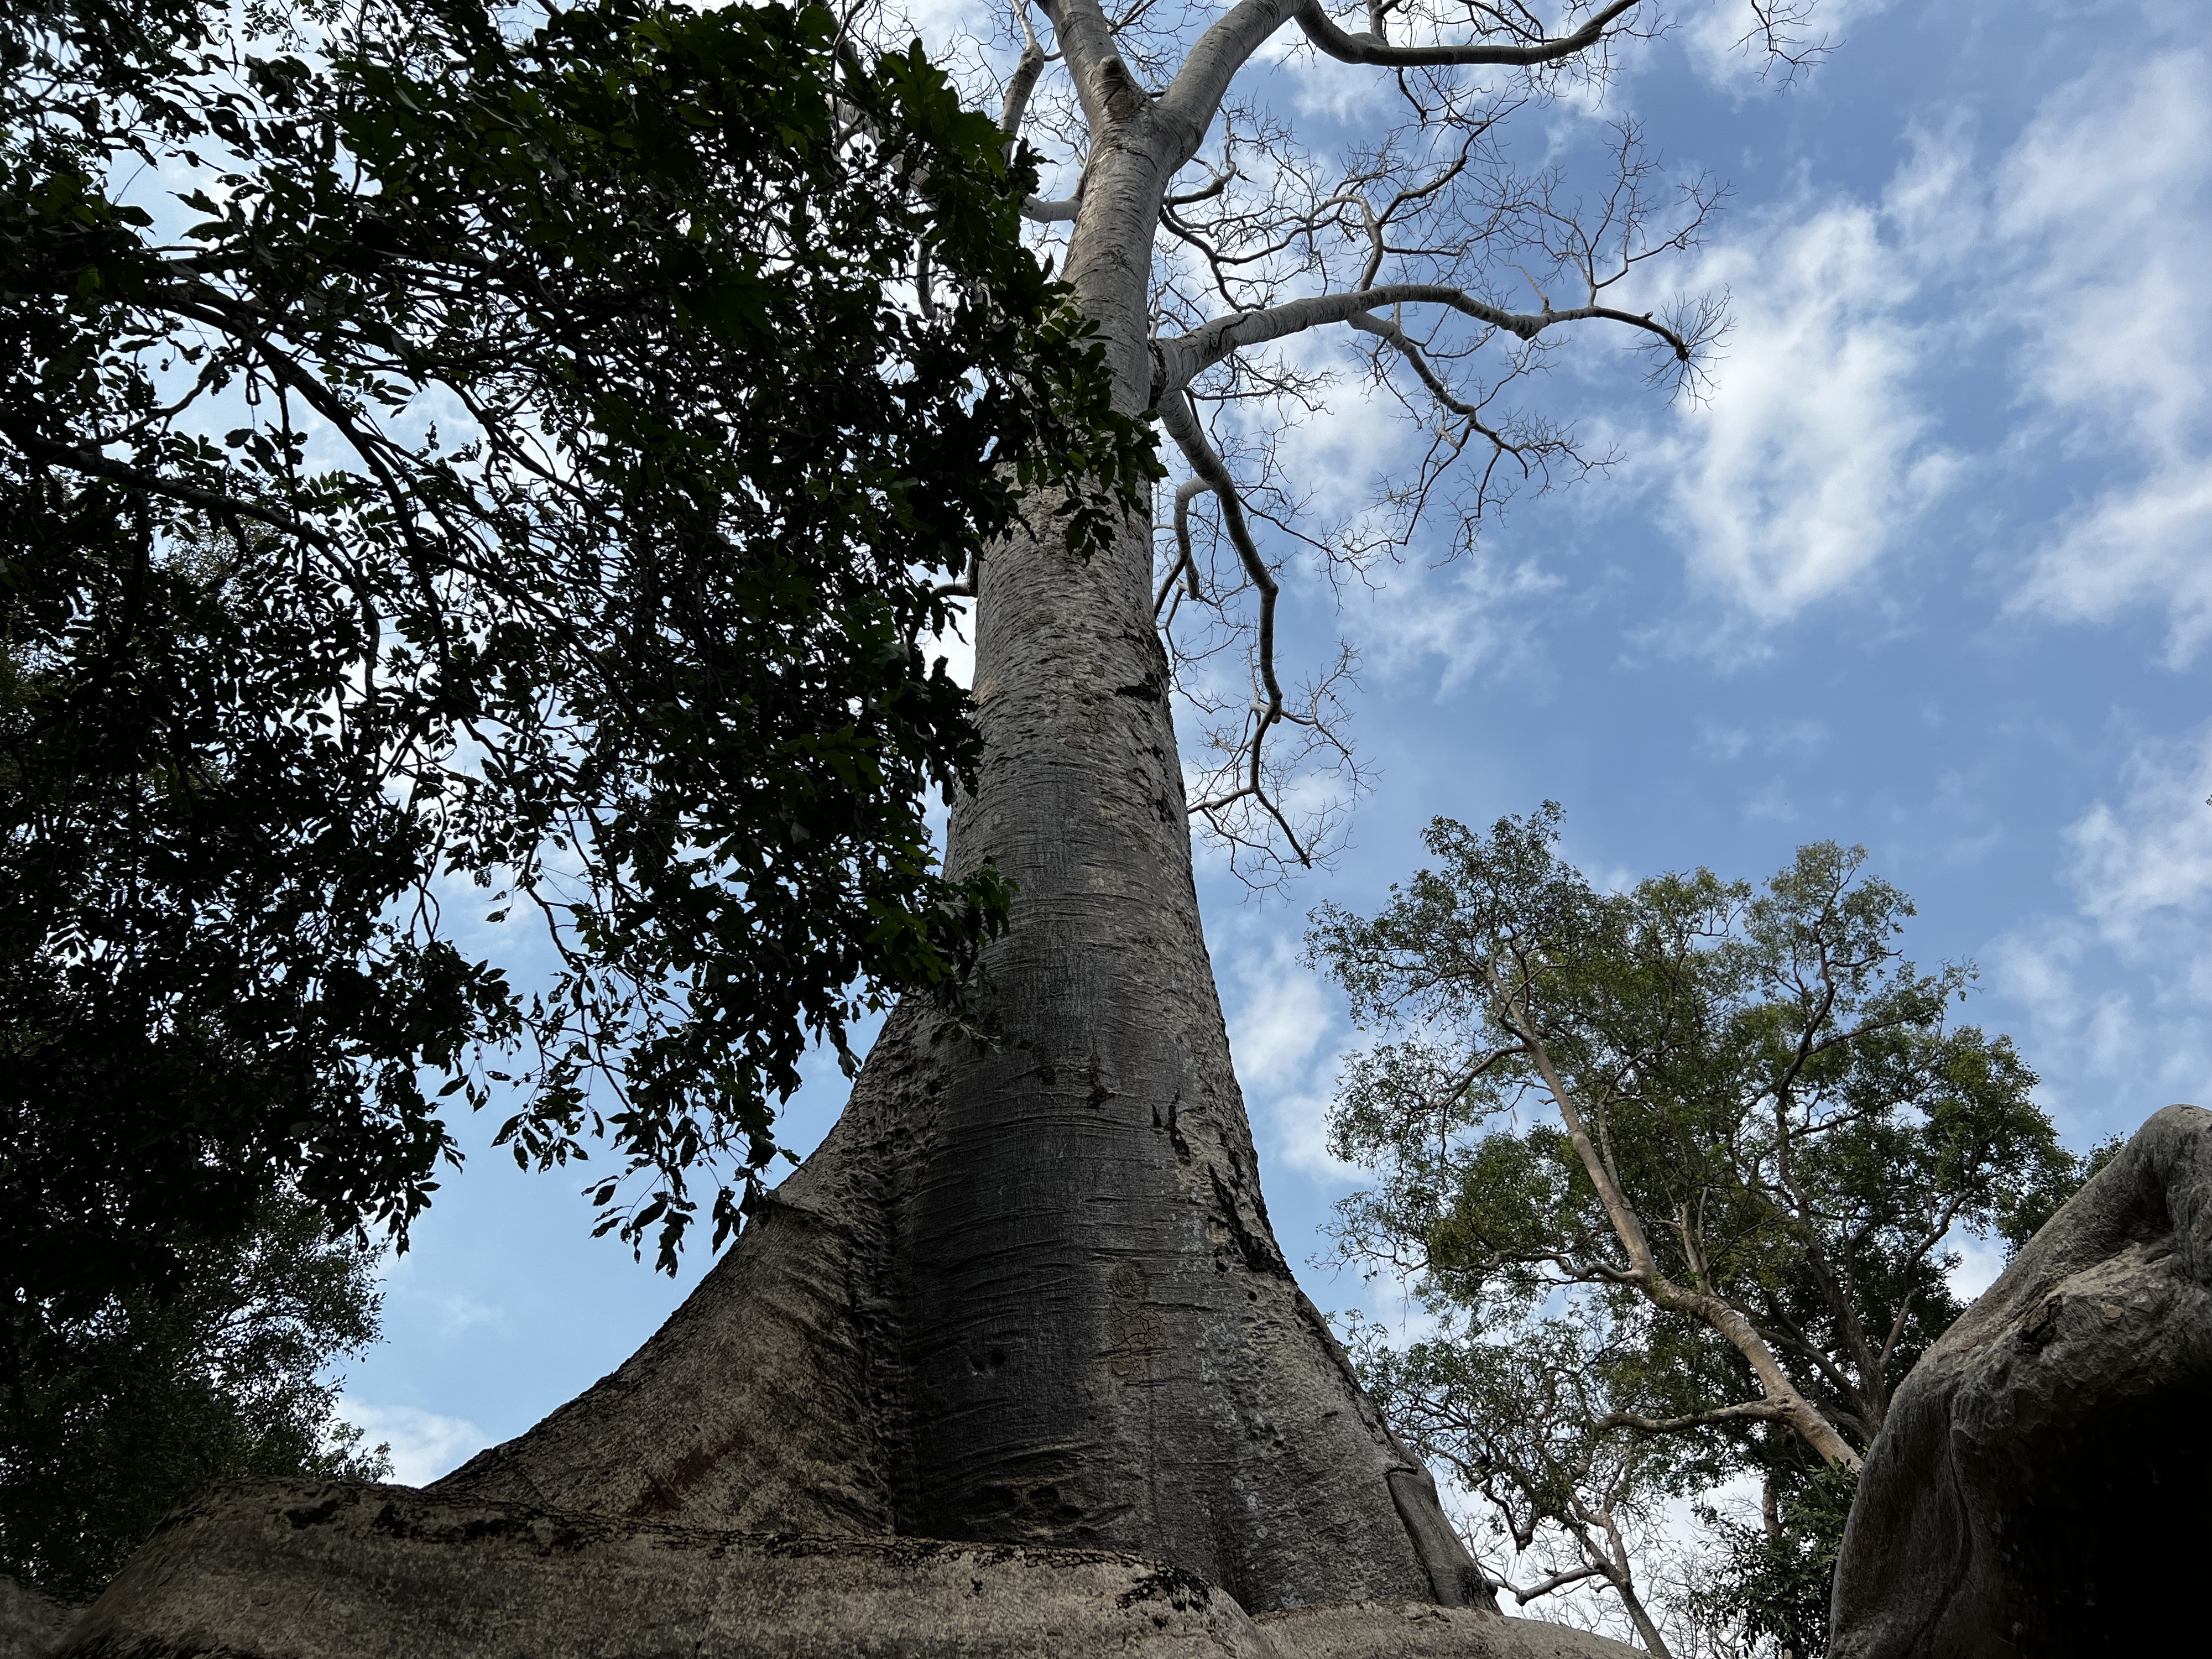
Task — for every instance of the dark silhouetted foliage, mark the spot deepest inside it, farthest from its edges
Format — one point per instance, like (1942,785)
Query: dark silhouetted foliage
(454,460)
(109,1421)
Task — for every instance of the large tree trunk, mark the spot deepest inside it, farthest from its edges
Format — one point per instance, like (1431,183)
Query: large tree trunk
(1030,1293)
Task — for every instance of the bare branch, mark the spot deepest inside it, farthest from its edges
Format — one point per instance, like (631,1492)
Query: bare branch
(1416,236)
(1368,323)
(1780,33)
(1202,347)
(1181,420)
(1751,1411)
(1109,92)
(93,464)
(1194,98)
(1557,1581)
(1016,107)
(1185,564)
(1205,192)
(1367,47)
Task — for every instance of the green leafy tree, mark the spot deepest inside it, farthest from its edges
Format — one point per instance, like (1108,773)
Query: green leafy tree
(109,1420)
(1521,1413)
(1698,1146)
(444,448)
(1772,1581)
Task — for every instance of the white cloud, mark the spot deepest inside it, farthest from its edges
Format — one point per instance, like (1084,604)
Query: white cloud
(1798,739)
(1980,1261)
(1282,1030)
(2116,993)
(2102,200)
(2151,545)
(1474,614)
(2083,1018)
(1281,1023)
(457,1312)
(2143,868)
(2102,220)
(2084,243)
(425,1445)
(1325,88)
(1728,44)
(450,1312)
(1717,742)
(1299,1123)
(1770,801)
(1813,456)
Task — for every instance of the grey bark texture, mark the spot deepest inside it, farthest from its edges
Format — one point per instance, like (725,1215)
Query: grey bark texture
(343,1571)
(2053,1447)
(1031,1294)
(365,1572)
(31,1625)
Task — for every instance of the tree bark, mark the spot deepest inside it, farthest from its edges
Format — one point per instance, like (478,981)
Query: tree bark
(1030,1293)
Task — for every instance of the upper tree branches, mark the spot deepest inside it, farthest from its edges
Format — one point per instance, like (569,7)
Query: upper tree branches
(1195,212)
(434,456)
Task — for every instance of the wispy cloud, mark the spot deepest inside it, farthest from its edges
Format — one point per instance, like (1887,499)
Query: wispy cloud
(2102,220)
(2142,868)
(1770,802)
(423,1444)
(2081,250)
(1728,48)
(1283,1018)
(1813,457)
(1284,1032)
(2116,993)
(1477,614)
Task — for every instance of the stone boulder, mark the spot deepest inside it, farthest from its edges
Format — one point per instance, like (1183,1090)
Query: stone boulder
(1421,1630)
(2047,1467)
(32,1626)
(343,1571)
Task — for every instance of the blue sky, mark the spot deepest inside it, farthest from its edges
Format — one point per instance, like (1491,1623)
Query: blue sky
(1927,571)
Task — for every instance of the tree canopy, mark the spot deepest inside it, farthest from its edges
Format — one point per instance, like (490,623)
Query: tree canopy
(109,1421)
(443,449)
(1682,1167)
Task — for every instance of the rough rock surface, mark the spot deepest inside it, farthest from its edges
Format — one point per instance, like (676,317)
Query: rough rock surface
(31,1625)
(1420,1630)
(346,1571)
(2052,1448)
(341,1570)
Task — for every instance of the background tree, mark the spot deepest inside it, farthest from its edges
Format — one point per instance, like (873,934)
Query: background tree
(435,452)
(1518,1418)
(1703,1150)
(109,1421)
